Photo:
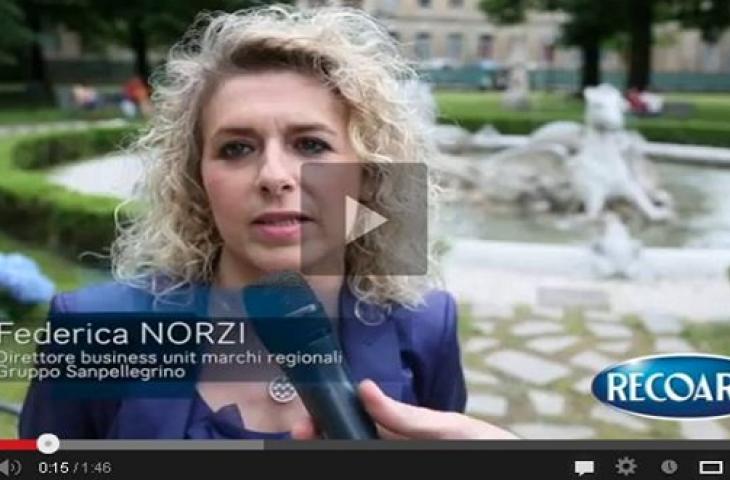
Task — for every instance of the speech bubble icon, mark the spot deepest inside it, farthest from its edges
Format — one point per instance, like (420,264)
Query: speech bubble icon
(584,466)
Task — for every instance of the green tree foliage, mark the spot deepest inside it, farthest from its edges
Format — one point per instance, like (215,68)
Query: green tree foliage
(15,32)
(711,17)
(590,23)
(36,15)
(590,26)
(142,25)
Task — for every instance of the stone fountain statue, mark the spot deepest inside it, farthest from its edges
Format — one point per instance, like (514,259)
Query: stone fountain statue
(517,94)
(590,164)
(616,254)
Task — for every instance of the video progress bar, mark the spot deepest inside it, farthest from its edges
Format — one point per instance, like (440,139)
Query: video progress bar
(118,445)
(501,445)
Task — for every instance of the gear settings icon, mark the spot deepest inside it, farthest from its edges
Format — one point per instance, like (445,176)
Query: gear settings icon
(626,466)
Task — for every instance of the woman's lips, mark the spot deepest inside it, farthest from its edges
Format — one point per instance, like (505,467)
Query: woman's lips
(280,227)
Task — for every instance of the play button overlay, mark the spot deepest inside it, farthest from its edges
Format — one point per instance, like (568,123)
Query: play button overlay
(361,219)
(366,218)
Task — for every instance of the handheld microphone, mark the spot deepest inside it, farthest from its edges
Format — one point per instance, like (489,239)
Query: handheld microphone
(289,319)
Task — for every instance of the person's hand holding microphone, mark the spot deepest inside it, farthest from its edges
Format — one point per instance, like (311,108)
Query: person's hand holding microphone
(397,420)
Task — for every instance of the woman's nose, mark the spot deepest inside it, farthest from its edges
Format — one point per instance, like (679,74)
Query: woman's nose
(276,175)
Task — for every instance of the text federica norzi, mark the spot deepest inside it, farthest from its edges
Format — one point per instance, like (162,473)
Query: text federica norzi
(209,332)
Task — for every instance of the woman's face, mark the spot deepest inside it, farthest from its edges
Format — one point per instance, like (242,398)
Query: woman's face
(258,130)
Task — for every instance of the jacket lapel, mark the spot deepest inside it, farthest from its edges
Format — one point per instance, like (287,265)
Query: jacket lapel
(370,344)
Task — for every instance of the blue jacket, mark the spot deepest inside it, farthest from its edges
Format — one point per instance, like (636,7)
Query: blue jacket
(412,355)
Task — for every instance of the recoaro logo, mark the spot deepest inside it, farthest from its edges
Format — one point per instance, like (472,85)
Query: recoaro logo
(679,386)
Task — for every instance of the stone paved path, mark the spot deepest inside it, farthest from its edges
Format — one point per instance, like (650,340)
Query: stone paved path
(114,175)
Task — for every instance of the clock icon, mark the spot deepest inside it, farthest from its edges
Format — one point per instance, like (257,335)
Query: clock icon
(669,467)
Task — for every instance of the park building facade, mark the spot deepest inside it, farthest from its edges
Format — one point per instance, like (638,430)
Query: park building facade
(450,33)
(457,32)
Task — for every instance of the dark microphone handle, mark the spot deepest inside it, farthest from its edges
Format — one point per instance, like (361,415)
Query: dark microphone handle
(331,398)
(337,411)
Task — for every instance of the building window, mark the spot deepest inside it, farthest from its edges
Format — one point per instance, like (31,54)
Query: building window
(454,46)
(424,3)
(456,3)
(352,3)
(485,46)
(423,46)
(316,3)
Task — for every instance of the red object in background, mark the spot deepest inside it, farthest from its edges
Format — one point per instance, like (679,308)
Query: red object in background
(16,445)
(636,103)
(136,91)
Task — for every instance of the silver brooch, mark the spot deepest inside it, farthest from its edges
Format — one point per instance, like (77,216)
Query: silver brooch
(281,390)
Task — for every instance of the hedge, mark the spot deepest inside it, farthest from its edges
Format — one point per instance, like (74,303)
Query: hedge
(10,309)
(36,210)
(698,132)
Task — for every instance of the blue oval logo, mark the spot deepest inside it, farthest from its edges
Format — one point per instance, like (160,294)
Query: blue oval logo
(668,386)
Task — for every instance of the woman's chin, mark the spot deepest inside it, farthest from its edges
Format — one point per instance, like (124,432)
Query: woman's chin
(278,263)
(316,259)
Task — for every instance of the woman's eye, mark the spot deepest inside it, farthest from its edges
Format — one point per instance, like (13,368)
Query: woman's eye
(312,146)
(234,150)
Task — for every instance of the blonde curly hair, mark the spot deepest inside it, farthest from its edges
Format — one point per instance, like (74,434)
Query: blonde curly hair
(172,235)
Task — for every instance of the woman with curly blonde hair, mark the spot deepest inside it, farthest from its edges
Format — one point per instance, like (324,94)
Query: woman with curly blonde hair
(245,103)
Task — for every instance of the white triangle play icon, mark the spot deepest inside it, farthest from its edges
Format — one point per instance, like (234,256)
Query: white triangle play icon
(360,219)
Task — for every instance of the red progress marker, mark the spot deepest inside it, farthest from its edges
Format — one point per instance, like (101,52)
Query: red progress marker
(16,445)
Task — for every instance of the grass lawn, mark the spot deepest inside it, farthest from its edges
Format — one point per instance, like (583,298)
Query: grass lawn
(31,115)
(711,338)
(16,107)
(710,107)
(459,104)
(17,116)
(67,276)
